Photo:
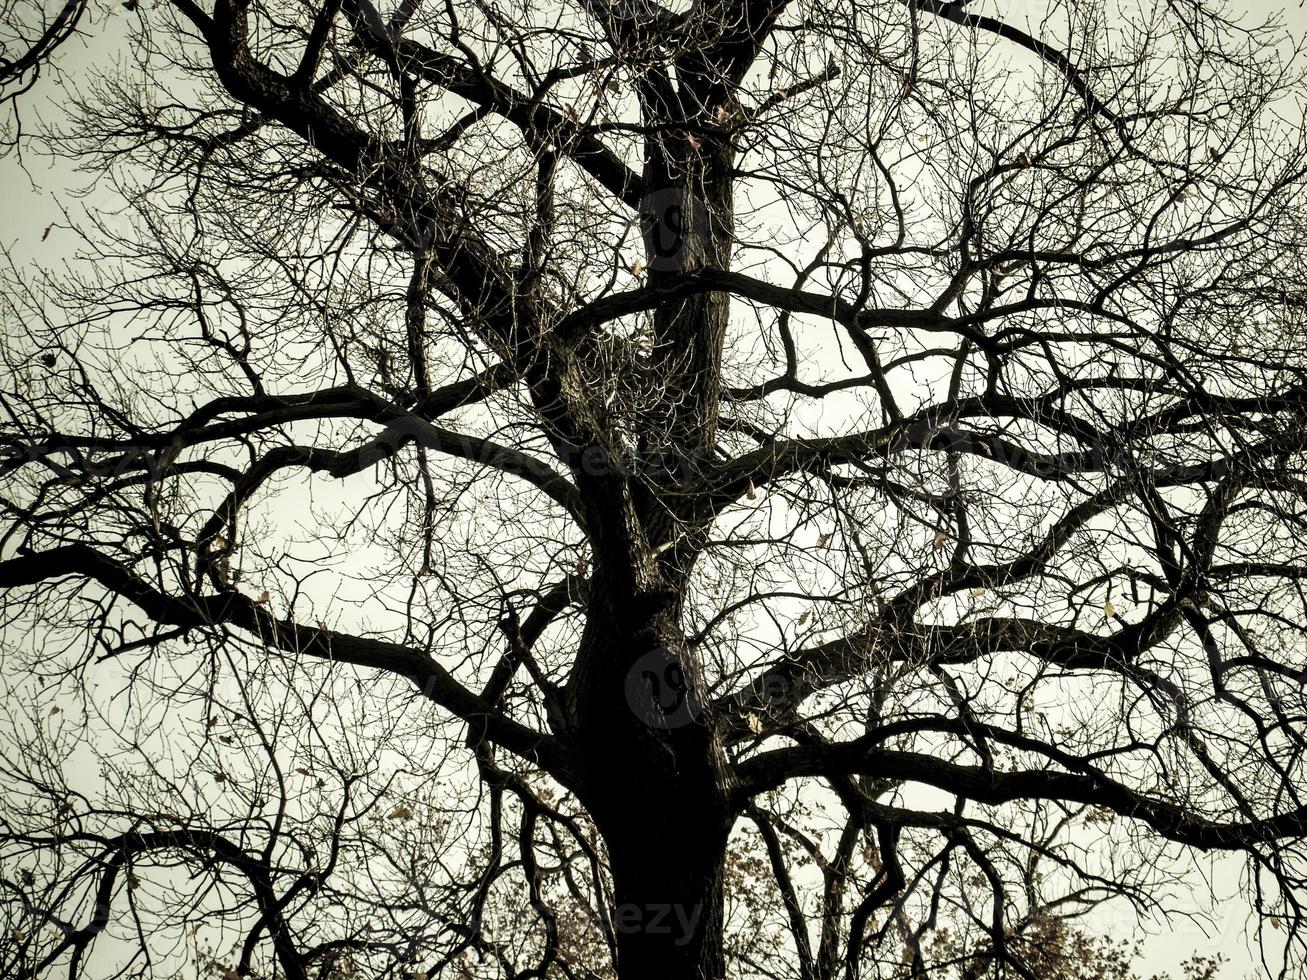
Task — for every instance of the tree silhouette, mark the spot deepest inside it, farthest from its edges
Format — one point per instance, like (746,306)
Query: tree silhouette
(796,490)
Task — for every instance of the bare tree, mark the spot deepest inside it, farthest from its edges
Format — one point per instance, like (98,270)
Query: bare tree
(31,33)
(609,489)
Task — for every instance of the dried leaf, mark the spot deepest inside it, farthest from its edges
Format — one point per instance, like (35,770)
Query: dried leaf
(722,115)
(755,723)
(751,493)
(695,144)
(637,268)
(263,598)
(220,777)
(941,539)
(400,812)
(55,710)
(823,540)
(977,591)
(1109,610)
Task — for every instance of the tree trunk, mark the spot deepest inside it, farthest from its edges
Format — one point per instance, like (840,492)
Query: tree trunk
(660,802)
(668,897)
(654,779)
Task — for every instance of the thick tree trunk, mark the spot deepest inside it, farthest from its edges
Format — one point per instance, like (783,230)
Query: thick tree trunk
(655,781)
(660,801)
(668,898)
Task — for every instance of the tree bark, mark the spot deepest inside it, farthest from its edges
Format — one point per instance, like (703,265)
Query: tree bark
(668,895)
(654,771)
(654,777)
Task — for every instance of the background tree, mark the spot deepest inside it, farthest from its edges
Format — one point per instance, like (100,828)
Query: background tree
(512,457)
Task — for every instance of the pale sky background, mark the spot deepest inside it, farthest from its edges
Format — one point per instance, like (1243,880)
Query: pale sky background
(35,188)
